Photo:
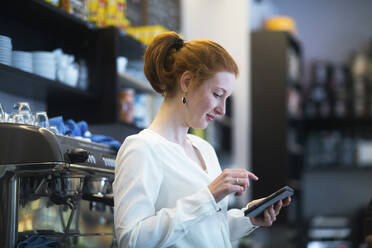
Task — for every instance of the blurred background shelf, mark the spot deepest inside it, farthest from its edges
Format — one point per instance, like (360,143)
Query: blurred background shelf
(332,122)
(337,168)
(44,16)
(35,25)
(29,85)
(58,15)
(128,46)
(118,130)
(128,81)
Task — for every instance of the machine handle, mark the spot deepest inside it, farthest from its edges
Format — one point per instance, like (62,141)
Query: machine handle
(108,199)
(77,155)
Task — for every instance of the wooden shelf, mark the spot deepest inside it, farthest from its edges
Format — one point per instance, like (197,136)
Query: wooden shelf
(128,81)
(18,82)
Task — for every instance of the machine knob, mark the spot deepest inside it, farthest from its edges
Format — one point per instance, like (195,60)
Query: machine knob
(77,155)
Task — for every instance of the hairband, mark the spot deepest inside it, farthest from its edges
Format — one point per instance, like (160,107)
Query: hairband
(178,43)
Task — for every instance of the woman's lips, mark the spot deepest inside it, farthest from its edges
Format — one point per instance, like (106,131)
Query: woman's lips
(210,117)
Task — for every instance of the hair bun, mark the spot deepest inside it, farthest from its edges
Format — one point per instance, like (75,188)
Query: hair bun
(165,61)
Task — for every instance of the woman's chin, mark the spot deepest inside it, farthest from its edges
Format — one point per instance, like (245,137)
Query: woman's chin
(200,126)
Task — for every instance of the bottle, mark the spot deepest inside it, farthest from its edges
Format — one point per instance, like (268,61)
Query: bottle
(126,105)
(65,4)
(92,8)
(319,93)
(339,87)
(359,69)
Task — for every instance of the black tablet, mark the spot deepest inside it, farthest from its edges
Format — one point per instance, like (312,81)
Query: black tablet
(281,194)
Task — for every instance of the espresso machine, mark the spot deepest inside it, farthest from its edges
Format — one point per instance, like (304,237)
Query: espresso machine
(55,186)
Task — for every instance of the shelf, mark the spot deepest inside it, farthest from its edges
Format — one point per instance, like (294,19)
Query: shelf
(37,25)
(128,81)
(45,16)
(130,125)
(332,123)
(118,130)
(18,82)
(122,43)
(53,12)
(56,22)
(129,47)
(338,168)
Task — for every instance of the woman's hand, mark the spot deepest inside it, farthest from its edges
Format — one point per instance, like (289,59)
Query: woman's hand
(268,217)
(230,181)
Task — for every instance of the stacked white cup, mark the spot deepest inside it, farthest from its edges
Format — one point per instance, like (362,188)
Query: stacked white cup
(22,60)
(44,64)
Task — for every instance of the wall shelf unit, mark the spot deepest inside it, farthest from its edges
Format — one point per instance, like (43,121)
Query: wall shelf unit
(339,169)
(35,25)
(29,85)
(126,80)
(332,123)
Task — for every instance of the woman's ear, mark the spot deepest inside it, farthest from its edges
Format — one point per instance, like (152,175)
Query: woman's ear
(185,81)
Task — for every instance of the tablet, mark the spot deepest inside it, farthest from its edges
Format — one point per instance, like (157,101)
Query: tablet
(281,194)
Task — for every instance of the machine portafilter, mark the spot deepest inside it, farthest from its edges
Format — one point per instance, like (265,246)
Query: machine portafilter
(98,189)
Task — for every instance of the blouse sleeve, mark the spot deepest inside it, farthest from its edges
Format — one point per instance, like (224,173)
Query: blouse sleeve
(138,178)
(239,225)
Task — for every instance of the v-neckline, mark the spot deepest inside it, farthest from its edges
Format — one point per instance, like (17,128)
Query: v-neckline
(199,155)
(183,150)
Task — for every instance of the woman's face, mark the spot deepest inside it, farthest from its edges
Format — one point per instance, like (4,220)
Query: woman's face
(208,101)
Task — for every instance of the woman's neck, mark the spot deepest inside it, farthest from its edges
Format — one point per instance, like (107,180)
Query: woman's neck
(170,123)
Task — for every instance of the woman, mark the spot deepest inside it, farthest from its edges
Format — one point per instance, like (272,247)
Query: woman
(169,189)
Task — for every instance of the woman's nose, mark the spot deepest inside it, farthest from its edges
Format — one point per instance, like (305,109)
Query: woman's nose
(221,109)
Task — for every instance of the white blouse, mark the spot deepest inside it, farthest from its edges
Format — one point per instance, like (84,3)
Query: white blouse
(162,199)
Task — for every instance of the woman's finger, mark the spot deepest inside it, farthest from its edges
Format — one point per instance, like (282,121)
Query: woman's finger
(278,206)
(240,173)
(239,178)
(267,218)
(272,213)
(287,201)
(252,176)
(235,189)
(240,181)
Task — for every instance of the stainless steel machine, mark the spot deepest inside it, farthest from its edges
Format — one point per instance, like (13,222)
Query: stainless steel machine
(56,186)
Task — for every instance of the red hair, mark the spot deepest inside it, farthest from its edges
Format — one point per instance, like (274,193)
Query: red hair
(167,57)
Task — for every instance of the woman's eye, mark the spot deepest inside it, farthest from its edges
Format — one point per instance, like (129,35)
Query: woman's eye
(216,95)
